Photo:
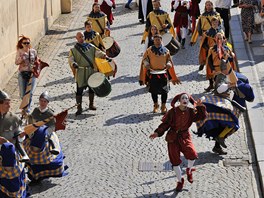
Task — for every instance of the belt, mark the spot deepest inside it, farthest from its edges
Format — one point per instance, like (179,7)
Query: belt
(222,8)
(179,131)
(158,71)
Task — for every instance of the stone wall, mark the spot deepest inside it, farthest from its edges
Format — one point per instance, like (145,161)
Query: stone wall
(28,17)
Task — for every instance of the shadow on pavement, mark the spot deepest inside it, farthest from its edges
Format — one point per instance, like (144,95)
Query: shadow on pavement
(124,79)
(60,81)
(42,187)
(130,119)
(130,94)
(207,157)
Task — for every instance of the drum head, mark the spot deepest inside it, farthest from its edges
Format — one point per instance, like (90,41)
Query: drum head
(108,42)
(96,79)
(166,38)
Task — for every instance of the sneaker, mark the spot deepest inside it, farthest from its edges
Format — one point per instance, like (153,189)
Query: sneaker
(189,174)
(180,185)
(219,151)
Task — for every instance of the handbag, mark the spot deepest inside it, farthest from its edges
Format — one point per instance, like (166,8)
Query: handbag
(258,19)
(26,74)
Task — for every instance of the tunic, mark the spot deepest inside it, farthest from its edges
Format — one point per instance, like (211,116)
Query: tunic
(94,38)
(158,18)
(84,70)
(99,21)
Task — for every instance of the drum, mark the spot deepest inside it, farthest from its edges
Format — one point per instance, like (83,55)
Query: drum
(170,43)
(99,84)
(112,48)
(108,68)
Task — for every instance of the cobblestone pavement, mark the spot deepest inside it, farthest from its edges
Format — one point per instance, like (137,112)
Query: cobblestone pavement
(104,148)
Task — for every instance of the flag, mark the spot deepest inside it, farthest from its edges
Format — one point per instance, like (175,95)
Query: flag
(61,120)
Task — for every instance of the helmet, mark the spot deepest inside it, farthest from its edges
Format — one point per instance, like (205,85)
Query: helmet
(45,95)
(4,96)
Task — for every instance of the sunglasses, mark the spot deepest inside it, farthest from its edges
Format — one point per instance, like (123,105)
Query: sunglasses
(26,43)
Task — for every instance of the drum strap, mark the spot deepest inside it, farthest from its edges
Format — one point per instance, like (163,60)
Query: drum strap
(98,23)
(84,56)
(159,21)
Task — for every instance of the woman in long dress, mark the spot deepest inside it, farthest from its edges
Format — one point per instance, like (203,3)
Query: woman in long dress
(247,16)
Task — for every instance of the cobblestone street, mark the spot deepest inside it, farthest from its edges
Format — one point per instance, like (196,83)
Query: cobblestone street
(104,148)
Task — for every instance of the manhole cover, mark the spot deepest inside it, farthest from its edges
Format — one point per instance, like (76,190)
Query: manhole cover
(154,166)
(235,162)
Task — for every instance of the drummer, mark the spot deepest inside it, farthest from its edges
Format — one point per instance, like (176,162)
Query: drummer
(91,36)
(158,62)
(159,18)
(99,21)
(82,62)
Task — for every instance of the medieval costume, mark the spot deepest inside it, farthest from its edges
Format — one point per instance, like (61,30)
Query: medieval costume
(223,111)
(203,24)
(42,113)
(43,164)
(10,127)
(177,121)
(99,22)
(159,66)
(181,18)
(208,40)
(82,63)
(144,8)
(94,38)
(161,19)
(219,58)
(194,12)
(12,173)
(106,7)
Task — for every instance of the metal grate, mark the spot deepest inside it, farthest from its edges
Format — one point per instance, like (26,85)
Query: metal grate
(154,166)
(235,162)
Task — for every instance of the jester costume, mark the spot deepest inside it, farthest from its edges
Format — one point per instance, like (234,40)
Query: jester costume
(177,122)
(42,163)
(12,173)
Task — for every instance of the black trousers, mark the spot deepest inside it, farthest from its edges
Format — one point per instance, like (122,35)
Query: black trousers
(224,15)
(81,89)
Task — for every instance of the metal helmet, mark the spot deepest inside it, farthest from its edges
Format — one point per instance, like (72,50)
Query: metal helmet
(4,96)
(45,95)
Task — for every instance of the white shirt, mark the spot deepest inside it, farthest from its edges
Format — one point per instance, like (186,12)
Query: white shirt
(223,4)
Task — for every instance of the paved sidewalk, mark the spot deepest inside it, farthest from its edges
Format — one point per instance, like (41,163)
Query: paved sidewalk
(251,63)
(106,148)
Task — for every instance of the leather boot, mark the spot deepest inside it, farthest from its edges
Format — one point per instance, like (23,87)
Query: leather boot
(211,85)
(79,107)
(91,100)
(163,108)
(156,108)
